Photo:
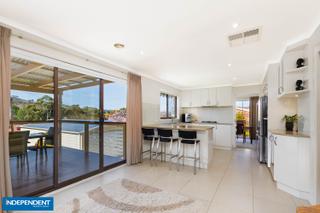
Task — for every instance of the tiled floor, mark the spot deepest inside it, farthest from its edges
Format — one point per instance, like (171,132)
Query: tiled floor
(235,182)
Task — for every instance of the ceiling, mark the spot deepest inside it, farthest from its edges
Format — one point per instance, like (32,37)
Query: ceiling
(184,42)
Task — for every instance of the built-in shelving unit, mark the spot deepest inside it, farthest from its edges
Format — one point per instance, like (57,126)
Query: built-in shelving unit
(297,70)
(289,73)
(293,94)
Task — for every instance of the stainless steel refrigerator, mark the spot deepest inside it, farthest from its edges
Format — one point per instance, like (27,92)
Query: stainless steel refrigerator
(262,131)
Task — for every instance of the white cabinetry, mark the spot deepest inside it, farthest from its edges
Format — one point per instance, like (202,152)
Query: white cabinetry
(291,165)
(223,136)
(224,96)
(220,96)
(212,96)
(209,97)
(289,73)
(186,99)
(196,98)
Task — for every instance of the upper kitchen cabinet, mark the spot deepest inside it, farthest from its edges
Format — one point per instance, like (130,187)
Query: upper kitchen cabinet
(196,97)
(217,96)
(224,96)
(209,97)
(186,99)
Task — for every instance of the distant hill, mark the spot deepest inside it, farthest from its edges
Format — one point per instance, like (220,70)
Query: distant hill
(20,101)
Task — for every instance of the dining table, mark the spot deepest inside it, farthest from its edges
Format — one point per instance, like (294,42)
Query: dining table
(40,136)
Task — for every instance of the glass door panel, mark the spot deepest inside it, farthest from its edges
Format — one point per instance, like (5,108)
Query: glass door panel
(115,115)
(31,133)
(79,124)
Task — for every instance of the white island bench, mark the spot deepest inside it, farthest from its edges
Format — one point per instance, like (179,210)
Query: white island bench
(204,134)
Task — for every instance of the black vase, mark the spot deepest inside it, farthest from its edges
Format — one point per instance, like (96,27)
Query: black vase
(289,126)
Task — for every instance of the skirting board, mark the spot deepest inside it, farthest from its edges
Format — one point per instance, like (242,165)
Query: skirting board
(294,192)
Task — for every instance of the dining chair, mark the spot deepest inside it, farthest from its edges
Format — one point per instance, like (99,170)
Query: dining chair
(49,138)
(18,146)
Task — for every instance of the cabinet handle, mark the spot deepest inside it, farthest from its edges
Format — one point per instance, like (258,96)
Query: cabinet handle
(273,139)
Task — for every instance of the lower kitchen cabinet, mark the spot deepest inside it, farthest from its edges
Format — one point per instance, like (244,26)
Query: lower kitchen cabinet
(223,136)
(292,165)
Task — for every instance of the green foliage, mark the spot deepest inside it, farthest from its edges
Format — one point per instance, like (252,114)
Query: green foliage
(76,112)
(240,116)
(40,110)
(291,118)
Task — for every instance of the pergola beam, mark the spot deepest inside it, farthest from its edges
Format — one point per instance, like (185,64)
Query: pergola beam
(26,69)
(83,85)
(64,78)
(31,89)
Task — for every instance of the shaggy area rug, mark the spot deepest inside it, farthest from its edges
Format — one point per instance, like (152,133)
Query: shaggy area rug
(124,195)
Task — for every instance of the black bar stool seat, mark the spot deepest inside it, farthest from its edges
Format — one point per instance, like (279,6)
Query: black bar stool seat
(168,140)
(150,137)
(186,141)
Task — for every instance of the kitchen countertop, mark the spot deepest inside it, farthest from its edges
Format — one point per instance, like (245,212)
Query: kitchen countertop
(190,127)
(292,134)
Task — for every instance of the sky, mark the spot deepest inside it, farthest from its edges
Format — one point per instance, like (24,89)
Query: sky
(243,104)
(115,96)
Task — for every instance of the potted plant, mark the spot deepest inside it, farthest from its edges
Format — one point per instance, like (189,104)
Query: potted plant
(290,120)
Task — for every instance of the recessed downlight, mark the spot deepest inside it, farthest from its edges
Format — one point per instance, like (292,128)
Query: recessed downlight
(118,45)
(141,52)
(229,65)
(235,25)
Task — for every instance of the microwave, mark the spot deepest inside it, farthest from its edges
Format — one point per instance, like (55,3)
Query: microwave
(186,118)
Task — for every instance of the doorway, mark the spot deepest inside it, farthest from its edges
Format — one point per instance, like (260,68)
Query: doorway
(246,122)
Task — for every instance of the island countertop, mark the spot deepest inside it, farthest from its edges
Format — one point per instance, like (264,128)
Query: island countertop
(188,127)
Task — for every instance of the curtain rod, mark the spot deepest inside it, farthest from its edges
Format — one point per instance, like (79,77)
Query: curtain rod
(94,70)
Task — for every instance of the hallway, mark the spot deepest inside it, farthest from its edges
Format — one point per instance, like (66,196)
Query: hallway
(235,182)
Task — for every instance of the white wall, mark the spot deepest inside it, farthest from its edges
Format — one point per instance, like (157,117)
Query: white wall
(151,100)
(48,54)
(246,91)
(314,69)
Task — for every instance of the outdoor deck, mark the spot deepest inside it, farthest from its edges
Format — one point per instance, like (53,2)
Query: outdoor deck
(73,163)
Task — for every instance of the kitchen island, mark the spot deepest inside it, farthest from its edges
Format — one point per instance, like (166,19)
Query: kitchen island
(204,134)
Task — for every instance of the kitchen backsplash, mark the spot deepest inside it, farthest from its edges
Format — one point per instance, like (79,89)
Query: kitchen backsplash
(219,114)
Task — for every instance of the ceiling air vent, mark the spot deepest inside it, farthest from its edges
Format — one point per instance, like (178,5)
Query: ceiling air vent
(244,37)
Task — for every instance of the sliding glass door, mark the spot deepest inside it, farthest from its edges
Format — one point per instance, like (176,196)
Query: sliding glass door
(65,126)
(78,124)
(31,126)
(115,115)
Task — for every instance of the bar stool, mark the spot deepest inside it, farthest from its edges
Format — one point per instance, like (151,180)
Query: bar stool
(165,136)
(189,138)
(148,134)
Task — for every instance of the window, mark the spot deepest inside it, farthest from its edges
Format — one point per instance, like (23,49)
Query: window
(168,106)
